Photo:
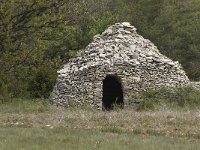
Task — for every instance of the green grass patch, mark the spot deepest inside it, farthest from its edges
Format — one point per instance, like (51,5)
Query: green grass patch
(34,124)
(112,129)
(80,139)
(25,106)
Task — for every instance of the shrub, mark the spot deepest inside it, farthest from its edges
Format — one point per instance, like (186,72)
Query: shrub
(3,92)
(41,84)
(181,97)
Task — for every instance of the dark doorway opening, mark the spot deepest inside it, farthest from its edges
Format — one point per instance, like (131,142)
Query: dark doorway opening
(112,93)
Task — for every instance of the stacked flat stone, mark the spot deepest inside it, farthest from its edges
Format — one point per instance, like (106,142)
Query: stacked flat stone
(121,51)
(195,85)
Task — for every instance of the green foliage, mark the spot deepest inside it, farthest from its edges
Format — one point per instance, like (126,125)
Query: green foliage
(181,97)
(24,106)
(187,96)
(146,104)
(41,84)
(173,25)
(4,94)
(37,37)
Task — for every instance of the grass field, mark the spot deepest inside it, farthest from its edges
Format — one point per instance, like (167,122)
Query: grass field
(34,125)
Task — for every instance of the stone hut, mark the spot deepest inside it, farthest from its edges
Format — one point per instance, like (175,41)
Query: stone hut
(114,68)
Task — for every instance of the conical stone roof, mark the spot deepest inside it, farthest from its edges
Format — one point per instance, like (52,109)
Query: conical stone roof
(119,51)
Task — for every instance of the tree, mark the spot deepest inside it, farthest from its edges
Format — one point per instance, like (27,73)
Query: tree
(30,29)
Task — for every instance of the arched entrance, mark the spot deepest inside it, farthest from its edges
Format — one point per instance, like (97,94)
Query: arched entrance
(112,92)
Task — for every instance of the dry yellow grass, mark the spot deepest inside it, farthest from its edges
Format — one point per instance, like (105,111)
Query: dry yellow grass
(164,122)
(31,125)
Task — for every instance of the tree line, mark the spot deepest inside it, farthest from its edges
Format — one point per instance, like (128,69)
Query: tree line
(38,36)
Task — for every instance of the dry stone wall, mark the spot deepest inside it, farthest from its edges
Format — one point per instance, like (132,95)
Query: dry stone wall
(195,85)
(119,51)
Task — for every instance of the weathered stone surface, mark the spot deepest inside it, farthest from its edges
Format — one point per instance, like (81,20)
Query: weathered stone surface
(118,50)
(195,85)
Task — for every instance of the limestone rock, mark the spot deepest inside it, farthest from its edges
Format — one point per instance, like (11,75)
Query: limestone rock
(118,51)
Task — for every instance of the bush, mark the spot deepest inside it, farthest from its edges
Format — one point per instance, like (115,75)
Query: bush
(4,94)
(147,104)
(181,97)
(42,83)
